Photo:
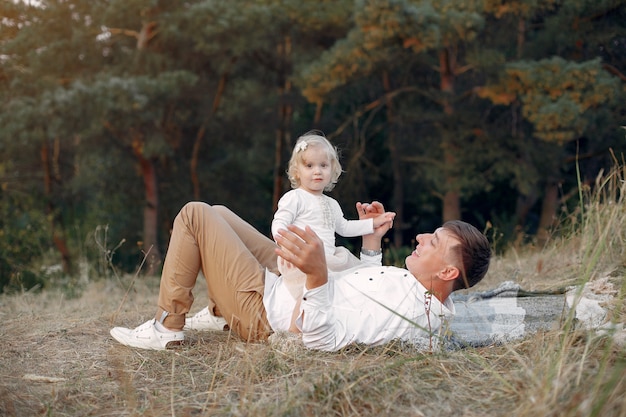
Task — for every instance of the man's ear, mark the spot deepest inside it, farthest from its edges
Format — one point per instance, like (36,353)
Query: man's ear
(449,273)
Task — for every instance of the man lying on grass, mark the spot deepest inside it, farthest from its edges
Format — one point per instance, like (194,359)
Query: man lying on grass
(369,304)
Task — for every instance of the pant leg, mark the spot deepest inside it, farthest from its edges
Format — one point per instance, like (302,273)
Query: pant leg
(259,244)
(203,239)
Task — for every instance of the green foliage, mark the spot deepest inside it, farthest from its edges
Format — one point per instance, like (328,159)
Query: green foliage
(489,100)
(383,27)
(23,238)
(558,96)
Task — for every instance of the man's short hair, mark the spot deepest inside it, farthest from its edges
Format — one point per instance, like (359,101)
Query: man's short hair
(474,252)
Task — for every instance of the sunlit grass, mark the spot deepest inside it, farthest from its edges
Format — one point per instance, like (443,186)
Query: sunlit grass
(568,371)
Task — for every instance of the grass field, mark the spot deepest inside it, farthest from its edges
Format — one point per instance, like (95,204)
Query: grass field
(59,360)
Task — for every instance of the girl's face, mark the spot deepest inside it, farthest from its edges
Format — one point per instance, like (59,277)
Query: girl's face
(314,171)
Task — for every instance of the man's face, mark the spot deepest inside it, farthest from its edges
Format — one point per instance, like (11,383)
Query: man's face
(431,255)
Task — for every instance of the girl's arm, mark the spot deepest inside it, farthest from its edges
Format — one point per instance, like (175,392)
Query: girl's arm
(286,212)
(368,222)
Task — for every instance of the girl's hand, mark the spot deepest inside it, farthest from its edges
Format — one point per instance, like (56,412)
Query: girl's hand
(384,219)
(369,210)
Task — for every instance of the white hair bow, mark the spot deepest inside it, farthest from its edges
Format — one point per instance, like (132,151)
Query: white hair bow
(301,146)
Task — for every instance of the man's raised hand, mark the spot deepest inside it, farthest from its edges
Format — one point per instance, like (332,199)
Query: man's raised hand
(305,250)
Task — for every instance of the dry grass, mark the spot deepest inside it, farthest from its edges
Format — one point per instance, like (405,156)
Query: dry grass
(59,360)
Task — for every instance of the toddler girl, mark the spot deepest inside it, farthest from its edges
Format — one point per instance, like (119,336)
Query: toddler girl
(314,168)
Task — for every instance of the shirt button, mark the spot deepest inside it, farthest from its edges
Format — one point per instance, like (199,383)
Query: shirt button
(304,298)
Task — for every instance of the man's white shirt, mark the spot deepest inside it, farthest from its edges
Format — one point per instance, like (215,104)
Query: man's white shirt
(369,304)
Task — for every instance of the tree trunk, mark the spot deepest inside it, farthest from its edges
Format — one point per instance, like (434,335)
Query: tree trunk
(193,163)
(150,242)
(549,207)
(56,221)
(398,193)
(451,209)
(523,205)
(394,153)
(451,206)
(195,152)
(521,37)
(277,170)
(285,112)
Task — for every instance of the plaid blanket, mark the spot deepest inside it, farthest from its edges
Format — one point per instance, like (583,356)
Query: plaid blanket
(508,312)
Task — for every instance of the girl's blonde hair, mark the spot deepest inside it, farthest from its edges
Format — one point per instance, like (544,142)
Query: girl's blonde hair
(313,139)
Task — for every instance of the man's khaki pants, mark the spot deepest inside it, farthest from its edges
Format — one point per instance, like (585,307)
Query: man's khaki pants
(232,256)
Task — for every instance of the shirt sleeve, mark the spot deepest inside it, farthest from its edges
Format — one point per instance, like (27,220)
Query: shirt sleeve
(319,328)
(350,228)
(367,260)
(287,211)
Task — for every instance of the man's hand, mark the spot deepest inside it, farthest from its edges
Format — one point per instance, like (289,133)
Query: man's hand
(305,250)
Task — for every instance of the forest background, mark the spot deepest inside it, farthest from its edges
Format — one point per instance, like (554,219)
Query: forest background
(114,113)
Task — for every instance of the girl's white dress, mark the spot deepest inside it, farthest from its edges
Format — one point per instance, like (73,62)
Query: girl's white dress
(324,215)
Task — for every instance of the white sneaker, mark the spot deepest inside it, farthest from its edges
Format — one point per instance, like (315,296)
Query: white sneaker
(146,336)
(204,320)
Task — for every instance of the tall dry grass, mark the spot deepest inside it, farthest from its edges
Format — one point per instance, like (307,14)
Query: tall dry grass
(58,359)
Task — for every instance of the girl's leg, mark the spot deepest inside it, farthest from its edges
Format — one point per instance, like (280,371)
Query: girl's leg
(203,239)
